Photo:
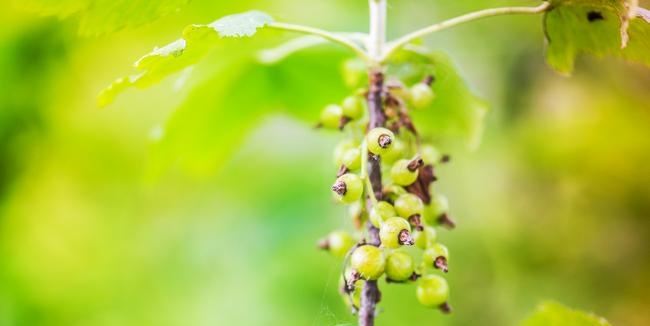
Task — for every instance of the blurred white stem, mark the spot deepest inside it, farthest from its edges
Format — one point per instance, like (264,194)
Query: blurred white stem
(377,35)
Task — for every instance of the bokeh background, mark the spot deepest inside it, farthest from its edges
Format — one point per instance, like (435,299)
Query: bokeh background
(553,205)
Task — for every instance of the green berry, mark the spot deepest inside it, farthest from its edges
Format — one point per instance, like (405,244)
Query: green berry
(396,151)
(379,140)
(432,291)
(369,261)
(352,107)
(343,147)
(351,158)
(381,212)
(348,188)
(430,155)
(425,238)
(408,204)
(331,115)
(401,173)
(338,243)
(421,95)
(436,256)
(439,205)
(395,232)
(399,266)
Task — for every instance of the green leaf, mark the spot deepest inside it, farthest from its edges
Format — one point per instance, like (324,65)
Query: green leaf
(197,41)
(455,112)
(216,116)
(103,16)
(597,27)
(555,314)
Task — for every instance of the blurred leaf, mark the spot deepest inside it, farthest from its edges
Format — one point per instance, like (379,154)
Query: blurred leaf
(595,27)
(555,314)
(197,41)
(455,111)
(103,16)
(216,116)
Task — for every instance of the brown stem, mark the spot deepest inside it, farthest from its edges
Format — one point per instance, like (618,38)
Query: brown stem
(370,295)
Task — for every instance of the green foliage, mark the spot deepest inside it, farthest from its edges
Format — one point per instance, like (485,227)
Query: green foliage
(103,16)
(598,27)
(197,41)
(555,314)
(455,111)
(218,113)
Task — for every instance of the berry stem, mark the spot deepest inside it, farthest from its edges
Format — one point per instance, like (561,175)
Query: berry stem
(377,118)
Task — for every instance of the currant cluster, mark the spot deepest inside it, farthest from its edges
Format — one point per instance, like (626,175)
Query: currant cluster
(396,235)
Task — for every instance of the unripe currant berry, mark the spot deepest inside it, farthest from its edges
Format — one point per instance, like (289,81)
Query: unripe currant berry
(338,243)
(432,291)
(357,213)
(396,151)
(439,206)
(381,212)
(379,140)
(331,116)
(368,261)
(395,232)
(425,238)
(348,188)
(352,107)
(399,266)
(437,256)
(350,158)
(421,95)
(430,154)
(408,205)
(404,173)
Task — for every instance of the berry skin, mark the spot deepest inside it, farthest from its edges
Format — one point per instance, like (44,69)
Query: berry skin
(342,147)
(432,291)
(338,243)
(395,232)
(379,140)
(352,107)
(437,256)
(399,266)
(381,212)
(421,95)
(407,205)
(369,261)
(348,188)
(396,151)
(439,205)
(331,115)
(430,154)
(351,158)
(425,238)
(401,173)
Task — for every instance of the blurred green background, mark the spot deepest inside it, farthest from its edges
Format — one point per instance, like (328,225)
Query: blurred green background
(553,205)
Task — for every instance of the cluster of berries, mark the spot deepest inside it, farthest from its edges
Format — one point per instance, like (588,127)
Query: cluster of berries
(405,213)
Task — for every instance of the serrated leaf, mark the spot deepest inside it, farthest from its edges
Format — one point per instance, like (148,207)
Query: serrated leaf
(455,112)
(597,27)
(197,41)
(103,16)
(213,120)
(555,314)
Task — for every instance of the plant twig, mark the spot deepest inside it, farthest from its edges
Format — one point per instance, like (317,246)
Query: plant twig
(334,37)
(408,38)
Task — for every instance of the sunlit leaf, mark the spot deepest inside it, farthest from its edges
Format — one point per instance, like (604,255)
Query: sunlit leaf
(197,41)
(555,314)
(597,27)
(218,114)
(102,16)
(455,112)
